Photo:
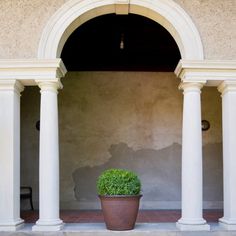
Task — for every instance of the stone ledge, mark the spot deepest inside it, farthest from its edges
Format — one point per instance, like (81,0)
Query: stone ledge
(142,229)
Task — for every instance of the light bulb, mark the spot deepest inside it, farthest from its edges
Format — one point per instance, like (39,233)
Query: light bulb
(122,45)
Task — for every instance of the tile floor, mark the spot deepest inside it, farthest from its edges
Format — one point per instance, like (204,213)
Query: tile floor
(144,216)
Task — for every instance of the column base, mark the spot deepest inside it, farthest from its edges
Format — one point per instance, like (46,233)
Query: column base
(12,226)
(192,225)
(227,224)
(52,225)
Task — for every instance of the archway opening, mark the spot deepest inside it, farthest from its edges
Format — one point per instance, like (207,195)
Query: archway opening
(120,43)
(115,109)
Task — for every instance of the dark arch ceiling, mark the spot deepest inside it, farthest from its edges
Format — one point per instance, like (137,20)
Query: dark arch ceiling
(96,45)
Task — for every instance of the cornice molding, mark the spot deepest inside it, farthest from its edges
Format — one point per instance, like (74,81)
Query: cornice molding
(212,71)
(27,71)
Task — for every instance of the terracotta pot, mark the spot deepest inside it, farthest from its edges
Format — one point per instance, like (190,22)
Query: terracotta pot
(120,211)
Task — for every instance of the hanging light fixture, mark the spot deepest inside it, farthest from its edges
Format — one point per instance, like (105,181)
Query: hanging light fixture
(122,45)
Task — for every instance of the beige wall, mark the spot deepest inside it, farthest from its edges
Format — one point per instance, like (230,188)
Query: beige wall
(22,23)
(216,23)
(126,120)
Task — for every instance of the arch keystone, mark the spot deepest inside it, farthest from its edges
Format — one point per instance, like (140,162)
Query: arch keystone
(122,7)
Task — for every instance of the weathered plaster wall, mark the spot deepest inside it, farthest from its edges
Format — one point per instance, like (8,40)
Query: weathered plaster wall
(126,120)
(22,23)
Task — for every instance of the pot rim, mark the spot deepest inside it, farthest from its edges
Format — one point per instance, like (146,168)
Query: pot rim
(120,196)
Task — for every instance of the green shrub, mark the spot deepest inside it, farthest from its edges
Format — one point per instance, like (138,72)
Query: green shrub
(118,182)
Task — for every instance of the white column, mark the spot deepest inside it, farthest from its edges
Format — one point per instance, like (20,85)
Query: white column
(49,160)
(228,90)
(192,160)
(10,155)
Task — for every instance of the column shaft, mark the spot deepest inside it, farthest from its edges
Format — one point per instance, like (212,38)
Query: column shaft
(192,160)
(10,155)
(228,90)
(49,161)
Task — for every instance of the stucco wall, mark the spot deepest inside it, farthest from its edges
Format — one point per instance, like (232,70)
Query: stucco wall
(216,23)
(22,23)
(126,120)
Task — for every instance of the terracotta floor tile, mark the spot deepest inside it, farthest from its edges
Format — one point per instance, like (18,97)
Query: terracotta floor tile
(144,216)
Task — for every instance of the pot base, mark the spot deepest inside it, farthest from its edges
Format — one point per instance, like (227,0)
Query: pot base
(120,212)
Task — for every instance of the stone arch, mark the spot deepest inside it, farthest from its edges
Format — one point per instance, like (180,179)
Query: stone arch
(165,12)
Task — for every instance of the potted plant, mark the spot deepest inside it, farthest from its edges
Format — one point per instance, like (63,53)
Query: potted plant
(119,192)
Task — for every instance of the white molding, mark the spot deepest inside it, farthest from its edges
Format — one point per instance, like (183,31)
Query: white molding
(49,85)
(227,86)
(212,71)
(227,226)
(29,70)
(11,85)
(122,7)
(12,226)
(121,1)
(75,12)
(192,86)
(179,24)
(32,71)
(193,227)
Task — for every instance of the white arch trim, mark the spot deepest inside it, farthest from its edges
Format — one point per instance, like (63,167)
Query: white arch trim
(75,12)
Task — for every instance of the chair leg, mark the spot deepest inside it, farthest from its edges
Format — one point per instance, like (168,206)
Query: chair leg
(31,203)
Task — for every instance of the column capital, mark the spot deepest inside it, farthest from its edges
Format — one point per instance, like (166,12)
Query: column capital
(227,86)
(50,85)
(192,86)
(11,85)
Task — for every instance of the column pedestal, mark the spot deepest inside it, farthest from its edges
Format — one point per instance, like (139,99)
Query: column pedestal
(49,160)
(228,90)
(51,225)
(227,224)
(192,226)
(10,155)
(192,219)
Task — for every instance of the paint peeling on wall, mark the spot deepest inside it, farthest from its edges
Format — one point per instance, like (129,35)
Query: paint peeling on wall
(159,171)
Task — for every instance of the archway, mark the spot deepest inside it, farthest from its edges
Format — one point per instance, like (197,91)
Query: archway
(119,102)
(114,42)
(75,12)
